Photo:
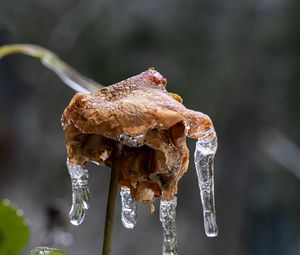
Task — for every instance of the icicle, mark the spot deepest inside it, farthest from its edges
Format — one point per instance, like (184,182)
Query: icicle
(80,193)
(167,215)
(129,209)
(204,162)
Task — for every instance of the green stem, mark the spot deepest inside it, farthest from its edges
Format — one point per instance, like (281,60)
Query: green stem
(111,200)
(67,74)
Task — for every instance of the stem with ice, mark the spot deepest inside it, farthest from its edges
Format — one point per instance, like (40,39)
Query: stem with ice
(80,193)
(129,209)
(79,83)
(167,215)
(66,73)
(204,161)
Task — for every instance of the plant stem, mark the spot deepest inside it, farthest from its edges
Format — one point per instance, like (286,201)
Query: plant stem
(67,74)
(111,200)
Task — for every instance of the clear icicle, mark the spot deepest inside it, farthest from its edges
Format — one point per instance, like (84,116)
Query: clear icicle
(80,193)
(204,162)
(129,209)
(167,215)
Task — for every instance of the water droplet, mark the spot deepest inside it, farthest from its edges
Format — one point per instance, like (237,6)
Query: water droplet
(46,251)
(20,212)
(167,215)
(204,161)
(80,193)
(131,141)
(62,237)
(6,201)
(129,209)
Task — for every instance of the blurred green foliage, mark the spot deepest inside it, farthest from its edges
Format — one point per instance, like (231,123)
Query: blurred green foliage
(14,231)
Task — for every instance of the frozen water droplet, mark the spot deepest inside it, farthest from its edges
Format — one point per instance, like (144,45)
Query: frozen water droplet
(80,193)
(46,251)
(204,161)
(129,209)
(167,215)
(62,237)
(131,141)
(6,201)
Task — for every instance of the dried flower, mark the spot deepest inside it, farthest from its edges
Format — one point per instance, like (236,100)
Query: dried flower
(152,124)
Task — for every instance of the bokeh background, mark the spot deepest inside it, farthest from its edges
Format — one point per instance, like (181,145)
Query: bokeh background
(237,61)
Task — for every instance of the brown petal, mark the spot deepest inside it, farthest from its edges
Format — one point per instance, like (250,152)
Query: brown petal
(149,121)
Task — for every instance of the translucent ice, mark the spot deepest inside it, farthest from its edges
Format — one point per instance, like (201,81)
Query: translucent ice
(131,141)
(129,209)
(46,251)
(167,215)
(204,162)
(80,193)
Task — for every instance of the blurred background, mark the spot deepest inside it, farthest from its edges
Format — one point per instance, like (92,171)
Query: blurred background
(237,61)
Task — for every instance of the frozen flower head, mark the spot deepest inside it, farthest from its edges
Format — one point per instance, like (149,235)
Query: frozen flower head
(152,125)
(150,122)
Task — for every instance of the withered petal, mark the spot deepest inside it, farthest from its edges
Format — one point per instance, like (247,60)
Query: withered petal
(150,122)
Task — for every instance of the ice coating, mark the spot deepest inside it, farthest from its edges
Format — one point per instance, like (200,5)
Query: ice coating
(204,162)
(166,118)
(131,141)
(129,209)
(46,251)
(80,193)
(153,125)
(167,215)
